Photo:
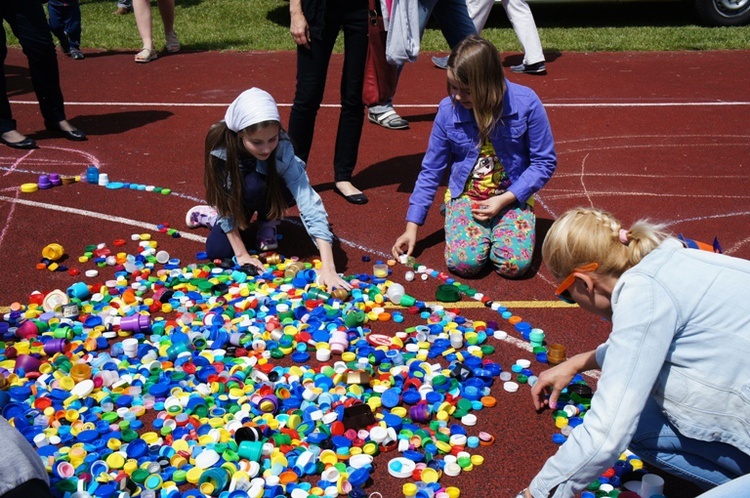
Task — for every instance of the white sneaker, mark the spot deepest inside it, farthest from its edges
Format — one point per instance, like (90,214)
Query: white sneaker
(201,216)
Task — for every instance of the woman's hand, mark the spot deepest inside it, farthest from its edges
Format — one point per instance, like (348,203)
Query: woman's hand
(405,243)
(246,259)
(328,277)
(299,28)
(557,378)
(553,381)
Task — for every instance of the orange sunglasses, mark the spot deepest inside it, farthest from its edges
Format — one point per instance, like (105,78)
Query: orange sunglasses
(562,291)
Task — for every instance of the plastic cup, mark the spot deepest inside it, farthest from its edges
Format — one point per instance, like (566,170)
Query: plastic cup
(395,293)
(407,300)
(380,270)
(651,484)
(130,347)
(251,450)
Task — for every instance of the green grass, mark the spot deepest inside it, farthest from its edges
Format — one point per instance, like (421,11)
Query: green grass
(264,25)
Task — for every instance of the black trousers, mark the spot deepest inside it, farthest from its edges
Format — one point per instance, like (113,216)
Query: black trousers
(35,487)
(312,68)
(29,24)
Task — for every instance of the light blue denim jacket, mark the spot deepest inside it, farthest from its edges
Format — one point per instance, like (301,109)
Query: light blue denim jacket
(522,140)
(680,334)
(292,172)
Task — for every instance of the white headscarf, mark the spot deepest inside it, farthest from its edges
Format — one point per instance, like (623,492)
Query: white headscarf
(251,107)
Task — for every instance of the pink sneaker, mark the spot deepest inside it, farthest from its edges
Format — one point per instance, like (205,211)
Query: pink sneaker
(201,216)
(266,237)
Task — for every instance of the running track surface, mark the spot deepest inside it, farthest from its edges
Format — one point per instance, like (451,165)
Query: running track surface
(659,135)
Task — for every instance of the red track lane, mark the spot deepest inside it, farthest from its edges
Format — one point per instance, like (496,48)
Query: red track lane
(640,134)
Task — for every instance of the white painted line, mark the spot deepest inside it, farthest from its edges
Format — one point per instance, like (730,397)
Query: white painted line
(99,216)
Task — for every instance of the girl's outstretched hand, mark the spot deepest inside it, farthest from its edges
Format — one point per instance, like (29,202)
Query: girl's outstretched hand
(552,381)
(246,259)
(404,245)
(332,280)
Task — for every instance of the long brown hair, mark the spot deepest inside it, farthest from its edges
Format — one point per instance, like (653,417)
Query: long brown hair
(476,63)
(223,182)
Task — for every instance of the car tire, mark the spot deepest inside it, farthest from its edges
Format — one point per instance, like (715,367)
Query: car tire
(723,12)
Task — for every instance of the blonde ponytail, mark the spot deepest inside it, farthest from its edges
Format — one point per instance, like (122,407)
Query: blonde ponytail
(588,235)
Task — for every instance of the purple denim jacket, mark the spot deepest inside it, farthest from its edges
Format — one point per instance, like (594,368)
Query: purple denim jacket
(522,140)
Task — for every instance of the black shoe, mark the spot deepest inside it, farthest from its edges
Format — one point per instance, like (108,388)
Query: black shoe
(75,134)
(26,143)
(354,198)
(536,68)
(76,54)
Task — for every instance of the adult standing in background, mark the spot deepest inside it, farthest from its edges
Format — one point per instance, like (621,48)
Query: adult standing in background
(143,19)
(28,22)
(315,25)
(455,24)
(520,17)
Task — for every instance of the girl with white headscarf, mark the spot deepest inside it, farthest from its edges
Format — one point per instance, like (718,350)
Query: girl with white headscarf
(250,167)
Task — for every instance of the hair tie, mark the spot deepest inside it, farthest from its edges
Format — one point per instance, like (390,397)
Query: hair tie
(624,236)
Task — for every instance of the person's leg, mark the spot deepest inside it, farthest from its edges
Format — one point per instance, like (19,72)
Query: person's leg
(7,123)
(467,242)
(351,117)
(57,25)
(29,23)
(73,26)
(706,464)
(385,115)
(254,201)
(732,489)
(520,16)
(166,10)
(142,11)
(33,487)
(513,239)
(312,67)
(218,246)
(453,18)
(479,11)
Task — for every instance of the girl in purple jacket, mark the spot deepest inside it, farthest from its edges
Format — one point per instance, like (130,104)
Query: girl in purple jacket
(496,138)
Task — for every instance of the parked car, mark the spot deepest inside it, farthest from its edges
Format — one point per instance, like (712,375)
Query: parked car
(711,12)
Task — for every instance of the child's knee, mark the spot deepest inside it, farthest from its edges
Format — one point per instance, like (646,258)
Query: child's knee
(511,267)
(462,268)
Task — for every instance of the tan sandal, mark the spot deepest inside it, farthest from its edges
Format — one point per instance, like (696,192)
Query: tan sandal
(145,55)
(173,44)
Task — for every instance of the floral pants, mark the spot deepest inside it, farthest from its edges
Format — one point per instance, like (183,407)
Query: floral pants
(507,239)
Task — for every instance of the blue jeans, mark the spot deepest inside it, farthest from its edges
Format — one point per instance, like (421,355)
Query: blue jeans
(254,199)
(65,20)
(455,24)
(707,464)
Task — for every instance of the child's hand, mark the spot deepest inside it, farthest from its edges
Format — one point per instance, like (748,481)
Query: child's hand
(331,280)
(403,245)
(553,381)
(486,210)
(246,259)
